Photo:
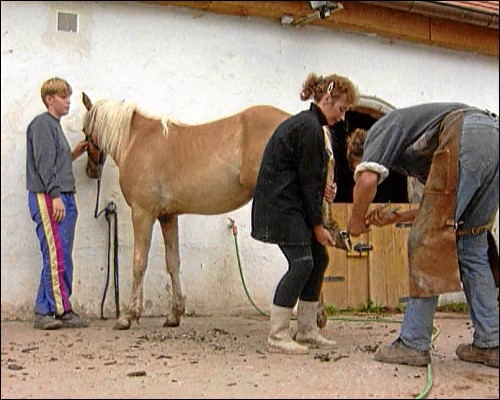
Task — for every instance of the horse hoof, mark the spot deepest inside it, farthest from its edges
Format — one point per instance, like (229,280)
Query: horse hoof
(171,324)
(122,324)
(321,318)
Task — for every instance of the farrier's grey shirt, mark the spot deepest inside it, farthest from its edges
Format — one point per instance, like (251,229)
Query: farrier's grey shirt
(405,140)
(49,163)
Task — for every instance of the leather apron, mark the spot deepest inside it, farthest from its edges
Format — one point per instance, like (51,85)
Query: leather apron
(432,246)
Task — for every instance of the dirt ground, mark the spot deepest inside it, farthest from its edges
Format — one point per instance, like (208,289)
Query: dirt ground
(225,357)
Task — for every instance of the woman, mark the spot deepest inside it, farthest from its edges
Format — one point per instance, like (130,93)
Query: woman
(287,208)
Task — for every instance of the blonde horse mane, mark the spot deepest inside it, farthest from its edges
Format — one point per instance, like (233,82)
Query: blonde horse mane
(111,120)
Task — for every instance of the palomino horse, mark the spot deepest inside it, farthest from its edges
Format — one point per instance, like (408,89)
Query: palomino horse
(167,169)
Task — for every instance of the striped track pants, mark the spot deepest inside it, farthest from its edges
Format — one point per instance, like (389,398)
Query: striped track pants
(56,245)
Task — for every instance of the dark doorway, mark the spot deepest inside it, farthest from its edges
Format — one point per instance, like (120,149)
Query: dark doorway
(394,188)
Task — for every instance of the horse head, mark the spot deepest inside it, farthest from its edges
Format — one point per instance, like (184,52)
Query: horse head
(96,157)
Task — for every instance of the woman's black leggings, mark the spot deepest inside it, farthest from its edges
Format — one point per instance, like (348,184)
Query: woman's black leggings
(304,278)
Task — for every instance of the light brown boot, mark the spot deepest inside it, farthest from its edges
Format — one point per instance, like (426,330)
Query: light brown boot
(474,354)
(279,340)
(308,333)
(400,353)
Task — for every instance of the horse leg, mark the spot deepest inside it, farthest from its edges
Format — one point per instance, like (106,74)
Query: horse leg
(170,231)
(142,223)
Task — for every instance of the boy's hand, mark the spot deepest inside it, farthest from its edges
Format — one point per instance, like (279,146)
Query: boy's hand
(79,149)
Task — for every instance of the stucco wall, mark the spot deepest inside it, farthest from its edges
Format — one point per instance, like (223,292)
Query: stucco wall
(193,67)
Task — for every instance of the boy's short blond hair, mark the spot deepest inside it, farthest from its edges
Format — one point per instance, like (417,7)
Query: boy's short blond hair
(57,86)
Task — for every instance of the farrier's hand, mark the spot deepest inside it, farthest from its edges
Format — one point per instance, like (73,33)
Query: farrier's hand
(379,217)
(330,192)
(58,209)
(79,149)
(357,225)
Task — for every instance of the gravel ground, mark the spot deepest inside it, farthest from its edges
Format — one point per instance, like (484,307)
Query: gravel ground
(225,357)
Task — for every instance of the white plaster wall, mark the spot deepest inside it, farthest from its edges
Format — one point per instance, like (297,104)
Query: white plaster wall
(193,67)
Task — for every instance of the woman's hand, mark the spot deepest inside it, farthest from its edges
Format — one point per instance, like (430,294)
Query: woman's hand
(330,192)
(323,236)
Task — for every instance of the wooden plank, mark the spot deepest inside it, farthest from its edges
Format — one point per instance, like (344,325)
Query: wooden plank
(388,264)
(335,292)
(357,277)
(384,21)
(458,36)
(365,18)
(397,269)
(379,259)
(380,275)
(268,9)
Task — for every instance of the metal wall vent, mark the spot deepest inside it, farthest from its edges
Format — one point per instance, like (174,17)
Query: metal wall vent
(67,22)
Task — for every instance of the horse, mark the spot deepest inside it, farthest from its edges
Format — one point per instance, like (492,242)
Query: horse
(167,168)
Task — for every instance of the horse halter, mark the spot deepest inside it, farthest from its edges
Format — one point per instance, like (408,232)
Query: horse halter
(88,138)
(91,142)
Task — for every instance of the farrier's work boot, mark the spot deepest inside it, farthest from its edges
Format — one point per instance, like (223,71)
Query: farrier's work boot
(308,333)
(46,322)
(399,353)
(470,353)
(279,340)
(71,319)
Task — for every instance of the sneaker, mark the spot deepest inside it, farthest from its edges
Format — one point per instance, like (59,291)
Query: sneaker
(399,353)
(71,319)
(482,355)
(46,322)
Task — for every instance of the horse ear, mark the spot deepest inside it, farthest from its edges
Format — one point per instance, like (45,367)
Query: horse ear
(86,101)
